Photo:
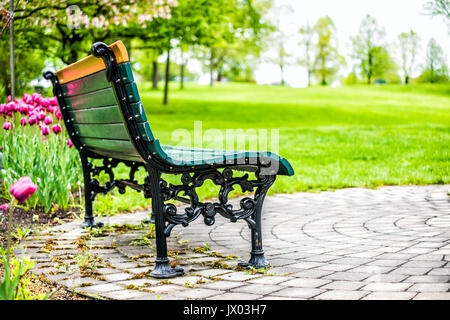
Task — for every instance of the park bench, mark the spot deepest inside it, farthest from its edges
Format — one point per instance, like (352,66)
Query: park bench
(106,122)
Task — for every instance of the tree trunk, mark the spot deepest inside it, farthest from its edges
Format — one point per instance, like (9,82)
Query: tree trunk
(167,76)
(211,69)
(282,74)
(406,79)
(155,75)
(182,75)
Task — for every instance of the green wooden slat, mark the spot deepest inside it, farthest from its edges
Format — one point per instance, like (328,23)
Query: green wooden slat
(145,132)
(111,147)
(112,131)
(138,111)
(106,131)
(126,74)
(96,81)
(87,84)
(116,155)
(132,92)
(100,98)
(97,115)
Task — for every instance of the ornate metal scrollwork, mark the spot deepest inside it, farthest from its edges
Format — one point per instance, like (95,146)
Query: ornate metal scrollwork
(227,183)
(107,167)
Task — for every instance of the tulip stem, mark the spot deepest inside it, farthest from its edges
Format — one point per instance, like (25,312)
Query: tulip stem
(8,235)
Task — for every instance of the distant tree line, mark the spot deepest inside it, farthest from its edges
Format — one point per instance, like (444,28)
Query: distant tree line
(226,36)
(372,59)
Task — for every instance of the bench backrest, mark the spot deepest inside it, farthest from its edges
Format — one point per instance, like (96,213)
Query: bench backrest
(93,107)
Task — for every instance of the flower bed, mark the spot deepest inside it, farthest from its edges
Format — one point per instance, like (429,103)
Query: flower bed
(34,144)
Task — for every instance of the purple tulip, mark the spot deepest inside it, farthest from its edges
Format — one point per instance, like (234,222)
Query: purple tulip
(22,189)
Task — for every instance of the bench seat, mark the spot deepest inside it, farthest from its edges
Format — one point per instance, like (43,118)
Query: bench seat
(183,156)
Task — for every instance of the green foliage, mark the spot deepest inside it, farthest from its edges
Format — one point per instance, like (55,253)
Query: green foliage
(29,62)
(408,44)
(327,58)
(8,287)
(436,69)
(15,283)
(370,52)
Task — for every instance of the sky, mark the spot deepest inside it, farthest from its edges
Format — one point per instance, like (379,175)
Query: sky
(395,16)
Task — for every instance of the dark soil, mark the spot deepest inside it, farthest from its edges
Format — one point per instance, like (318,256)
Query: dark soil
(23,219)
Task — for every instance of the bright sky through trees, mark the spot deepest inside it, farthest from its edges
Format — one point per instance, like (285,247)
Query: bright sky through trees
(396,16)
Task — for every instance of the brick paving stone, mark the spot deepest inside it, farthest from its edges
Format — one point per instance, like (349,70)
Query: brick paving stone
(344,285)
(430,287)
(138,282)
(196,293)
(257,288)
(270,280)
(222,285)
(305,283)
(428,279)
(124,294)
(347,276)
(433,296)
(299,292)
(102,288)
(390,296)
(236,296)
(117,276)
(385,286)
(342,295)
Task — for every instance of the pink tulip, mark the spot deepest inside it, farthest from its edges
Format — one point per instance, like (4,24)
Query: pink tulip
(58,115)
(7,125)
(69,142)
(22,189)
(45,130)
(27,98)
(23,121)
(4,206)
(9,98)
(48,119)
(53,101)
(33,119)
(41,115)
(56,128)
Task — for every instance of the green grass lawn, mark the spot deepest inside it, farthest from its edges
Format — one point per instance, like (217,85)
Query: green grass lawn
(334,137)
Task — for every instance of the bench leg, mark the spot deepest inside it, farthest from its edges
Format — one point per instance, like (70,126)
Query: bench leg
(162,268)
(257,259)
(89,221)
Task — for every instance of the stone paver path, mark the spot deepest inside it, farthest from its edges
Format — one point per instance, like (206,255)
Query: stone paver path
(389,243)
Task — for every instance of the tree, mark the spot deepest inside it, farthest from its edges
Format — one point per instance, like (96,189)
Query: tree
(438,7)
(368,50)
(279,38)
(408,44)
(74,26)
(306,40)
(436,69)
(327,58)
